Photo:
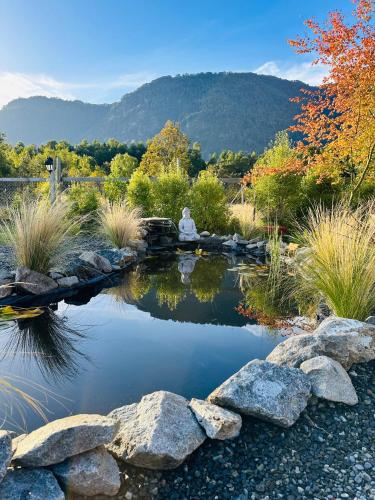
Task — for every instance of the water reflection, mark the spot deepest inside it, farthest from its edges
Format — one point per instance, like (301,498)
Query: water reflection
(50,341)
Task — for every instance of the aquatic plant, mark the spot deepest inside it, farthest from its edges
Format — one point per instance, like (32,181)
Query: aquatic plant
(119,223)
(340,263)
(38,233)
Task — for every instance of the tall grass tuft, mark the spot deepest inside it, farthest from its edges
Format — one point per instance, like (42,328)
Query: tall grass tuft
(340,265)
(119,223)
(249,219)
(38,233)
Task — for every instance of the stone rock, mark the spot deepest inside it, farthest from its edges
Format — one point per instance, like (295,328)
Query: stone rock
(266,391)
(6,288)
(97,261)
(16,440)
(329,380)
(64,438)
(216,421)
(68,281)
(94,472)
(30,484)
(119,257)
(204,234)
(230,245)
(34,282)
(138,245)
(159,432)
(371,320)
(252,246)
(55,275)
(345,340)
(5,452)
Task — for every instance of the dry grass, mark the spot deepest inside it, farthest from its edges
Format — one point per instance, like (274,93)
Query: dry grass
(341,263)
(38,233)
(119,223)
(249,219)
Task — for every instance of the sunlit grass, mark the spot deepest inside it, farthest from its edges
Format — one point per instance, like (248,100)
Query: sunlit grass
(119,223)
(38,233)
(340,265)
(249,219)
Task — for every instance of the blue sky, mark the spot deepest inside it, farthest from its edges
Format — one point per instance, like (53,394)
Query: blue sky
(96,50)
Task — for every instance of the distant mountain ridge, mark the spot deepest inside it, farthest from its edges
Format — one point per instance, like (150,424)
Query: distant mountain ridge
(219,110)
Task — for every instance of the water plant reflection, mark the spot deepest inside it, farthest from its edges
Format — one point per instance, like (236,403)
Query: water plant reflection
(49,340)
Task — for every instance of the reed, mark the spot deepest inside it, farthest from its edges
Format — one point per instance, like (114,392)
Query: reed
(340,265)
(249,219)
(38,233)
(119,223)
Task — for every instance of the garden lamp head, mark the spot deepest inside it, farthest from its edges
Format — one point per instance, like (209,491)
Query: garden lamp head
(49,164)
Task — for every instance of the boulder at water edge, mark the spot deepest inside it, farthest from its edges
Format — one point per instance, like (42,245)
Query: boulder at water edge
(30,484)
(33,282)
(347,341)
(266,391)
(216,421)
(64,438)
(157,433)
(329,380)
(5,452)
(97,261)
(94,472)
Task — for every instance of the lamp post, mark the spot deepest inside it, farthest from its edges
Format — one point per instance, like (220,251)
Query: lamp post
(49,164)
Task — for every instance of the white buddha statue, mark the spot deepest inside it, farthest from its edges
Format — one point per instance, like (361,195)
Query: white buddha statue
(186,226)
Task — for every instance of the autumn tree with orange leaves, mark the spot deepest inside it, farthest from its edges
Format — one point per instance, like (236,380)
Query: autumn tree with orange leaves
(338,119)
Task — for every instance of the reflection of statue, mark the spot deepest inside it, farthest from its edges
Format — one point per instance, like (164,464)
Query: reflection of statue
(186,226)
(186,264)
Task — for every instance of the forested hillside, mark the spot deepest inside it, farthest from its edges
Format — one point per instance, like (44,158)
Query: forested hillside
(238,111)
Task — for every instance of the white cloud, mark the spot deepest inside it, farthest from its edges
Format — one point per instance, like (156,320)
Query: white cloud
(14,85)
(306,72)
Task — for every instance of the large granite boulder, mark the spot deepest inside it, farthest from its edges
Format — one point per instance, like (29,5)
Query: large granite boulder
(34,282)
(30,484)
(216,421)
(64,438)
(5,452)
(329,380)
(157,433)
(266,391)
(347,341)
(94,472)
(96,261)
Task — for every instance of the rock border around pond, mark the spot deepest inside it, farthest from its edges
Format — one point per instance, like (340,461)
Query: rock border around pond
(78,454)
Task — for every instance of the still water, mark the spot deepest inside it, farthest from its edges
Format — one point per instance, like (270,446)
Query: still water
(170,324)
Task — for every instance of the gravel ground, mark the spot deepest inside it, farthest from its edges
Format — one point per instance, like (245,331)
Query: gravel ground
(328,454)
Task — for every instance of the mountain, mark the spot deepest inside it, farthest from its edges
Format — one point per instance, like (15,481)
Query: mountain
(220,110)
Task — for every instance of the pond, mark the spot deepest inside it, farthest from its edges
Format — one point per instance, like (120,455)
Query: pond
(173,323)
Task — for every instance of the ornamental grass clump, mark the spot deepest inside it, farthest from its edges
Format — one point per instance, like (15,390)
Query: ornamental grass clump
(340,263)
(119,223)
(249,219)
(38,233)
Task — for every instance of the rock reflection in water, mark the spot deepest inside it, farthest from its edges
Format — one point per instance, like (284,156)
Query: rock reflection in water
(49,341)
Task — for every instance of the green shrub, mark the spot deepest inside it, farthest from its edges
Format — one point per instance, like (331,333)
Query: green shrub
(171,195)
(84,200)
(208,203)
(140,193)
(278,196)
(122,165)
